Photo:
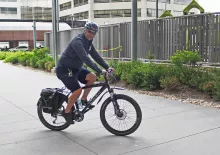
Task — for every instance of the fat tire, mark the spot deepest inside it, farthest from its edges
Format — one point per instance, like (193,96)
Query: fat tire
(137,109)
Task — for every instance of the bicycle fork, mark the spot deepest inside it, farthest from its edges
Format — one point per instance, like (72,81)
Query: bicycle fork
(115,103)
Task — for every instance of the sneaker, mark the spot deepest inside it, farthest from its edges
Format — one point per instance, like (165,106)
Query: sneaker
(68,117)
(85,103)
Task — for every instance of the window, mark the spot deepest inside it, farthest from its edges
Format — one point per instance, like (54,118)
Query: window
(8,0)
(80,2)
(66,18)
(36,13)
(115,13)
(102,14)
(160,1)
(122,1)
(139,12)
(81,15)
(152,12)
(183,2)
(102,1)
(4,10)
(65,6)
(12,10)
(127,13)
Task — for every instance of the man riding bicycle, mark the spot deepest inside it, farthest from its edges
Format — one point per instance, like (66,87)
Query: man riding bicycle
(69,69)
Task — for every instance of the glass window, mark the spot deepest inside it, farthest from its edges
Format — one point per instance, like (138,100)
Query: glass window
(65,6)
(183,2)
(4,10)
(80,2)
(160,1)
(152,12)
(81,15)
(36,13)
(117,13)
(102,14)
(8,0)
(127,13)
(102,1)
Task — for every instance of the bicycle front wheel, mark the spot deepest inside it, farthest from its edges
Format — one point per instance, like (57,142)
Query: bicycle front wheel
(129,119)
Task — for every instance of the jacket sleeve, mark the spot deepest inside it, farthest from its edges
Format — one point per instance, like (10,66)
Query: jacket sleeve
(80,51)
(95,55)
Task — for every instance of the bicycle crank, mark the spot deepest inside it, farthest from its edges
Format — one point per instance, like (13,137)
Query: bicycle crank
(79,116)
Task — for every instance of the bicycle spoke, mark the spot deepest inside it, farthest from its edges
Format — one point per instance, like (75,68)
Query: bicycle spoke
(128,119)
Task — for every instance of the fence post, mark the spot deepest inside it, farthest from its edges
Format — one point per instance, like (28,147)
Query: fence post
(111,31)
(119,40)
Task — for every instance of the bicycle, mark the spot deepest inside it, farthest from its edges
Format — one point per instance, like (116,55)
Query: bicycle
(78,115)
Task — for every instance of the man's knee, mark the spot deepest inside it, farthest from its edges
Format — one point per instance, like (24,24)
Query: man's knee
(91,77)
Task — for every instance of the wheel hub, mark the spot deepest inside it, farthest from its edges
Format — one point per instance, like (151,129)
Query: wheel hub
(122,115)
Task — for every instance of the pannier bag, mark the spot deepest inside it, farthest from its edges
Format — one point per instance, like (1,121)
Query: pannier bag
(52,99)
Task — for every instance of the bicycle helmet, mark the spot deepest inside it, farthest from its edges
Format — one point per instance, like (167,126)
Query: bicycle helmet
(91,26)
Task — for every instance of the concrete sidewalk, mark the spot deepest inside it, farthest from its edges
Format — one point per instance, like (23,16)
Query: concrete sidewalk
(168,127)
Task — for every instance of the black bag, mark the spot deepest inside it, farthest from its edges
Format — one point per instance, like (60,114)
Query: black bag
(52,99)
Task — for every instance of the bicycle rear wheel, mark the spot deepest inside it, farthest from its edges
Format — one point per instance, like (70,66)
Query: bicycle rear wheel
(121,120)
(53,125)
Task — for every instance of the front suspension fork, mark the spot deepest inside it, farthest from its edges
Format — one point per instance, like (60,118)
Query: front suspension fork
(115,103)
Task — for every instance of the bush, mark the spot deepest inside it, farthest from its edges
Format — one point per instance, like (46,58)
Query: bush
(41,63)
(12,57)
(170,83)
(139,74)
(33,61)
(3,55)
(147,76)
(37,58)
(185,57)
(23,59)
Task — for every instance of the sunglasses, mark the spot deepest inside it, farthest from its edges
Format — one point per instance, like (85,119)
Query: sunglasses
(92,32)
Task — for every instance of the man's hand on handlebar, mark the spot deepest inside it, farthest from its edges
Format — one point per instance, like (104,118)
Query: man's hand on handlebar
(109,70)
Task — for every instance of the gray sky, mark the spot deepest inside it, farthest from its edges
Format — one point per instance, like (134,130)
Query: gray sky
(210,5)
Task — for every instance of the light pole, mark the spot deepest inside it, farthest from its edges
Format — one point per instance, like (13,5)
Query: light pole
(54,29)
(134,30)
(34,33)
(156,8)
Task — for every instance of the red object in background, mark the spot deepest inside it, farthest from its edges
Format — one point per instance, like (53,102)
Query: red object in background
(105,47)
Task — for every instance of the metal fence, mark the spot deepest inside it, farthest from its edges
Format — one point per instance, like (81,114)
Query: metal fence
(157,37)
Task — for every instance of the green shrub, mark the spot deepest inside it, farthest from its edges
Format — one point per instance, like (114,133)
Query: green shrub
(41,63)
(170,83)
(12,58)
(23,58)
(41,53)
(3,55)
(185,57)
(33,61)
(216,91)
(141,75)
(124,69)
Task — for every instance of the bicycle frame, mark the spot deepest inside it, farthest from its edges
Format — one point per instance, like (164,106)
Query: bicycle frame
(104,85)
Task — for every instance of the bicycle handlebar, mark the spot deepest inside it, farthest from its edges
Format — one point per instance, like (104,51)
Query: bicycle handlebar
(110,74)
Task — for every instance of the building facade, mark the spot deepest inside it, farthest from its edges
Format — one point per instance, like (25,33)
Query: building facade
(117,11)
(26,9)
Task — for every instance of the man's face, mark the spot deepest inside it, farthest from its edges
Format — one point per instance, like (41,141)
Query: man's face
(90,34)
